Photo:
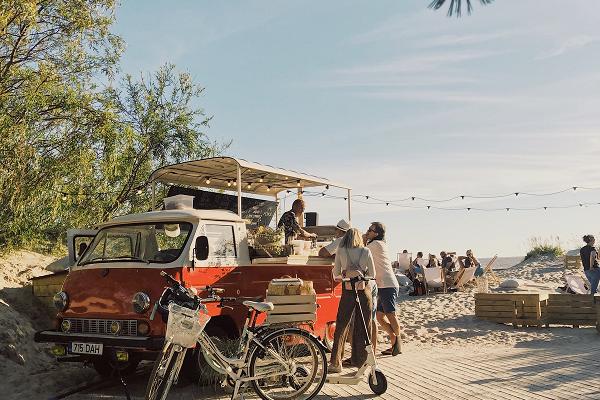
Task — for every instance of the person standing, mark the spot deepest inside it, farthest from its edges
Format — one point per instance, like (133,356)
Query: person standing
(289,222)
(387,286)
(341,228)
(589,259)
(352,259)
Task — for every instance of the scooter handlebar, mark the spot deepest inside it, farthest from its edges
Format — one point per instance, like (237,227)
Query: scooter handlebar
(358,279)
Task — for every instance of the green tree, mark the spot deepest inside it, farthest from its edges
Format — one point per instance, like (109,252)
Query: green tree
(72,152)
(456,6)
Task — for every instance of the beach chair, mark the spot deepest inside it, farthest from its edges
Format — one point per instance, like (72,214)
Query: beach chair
(492,277)
(464,276)
(422,262)
(577,284)
(404,261)
(434,278)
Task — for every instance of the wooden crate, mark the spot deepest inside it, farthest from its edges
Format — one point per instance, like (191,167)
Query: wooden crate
(45,287)
(292,309)
(571,309)
(573,262)
(525,309)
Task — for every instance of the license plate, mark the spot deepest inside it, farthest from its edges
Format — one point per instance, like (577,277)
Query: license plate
(86,348)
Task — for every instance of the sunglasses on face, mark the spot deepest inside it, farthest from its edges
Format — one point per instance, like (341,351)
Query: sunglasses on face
(371,230)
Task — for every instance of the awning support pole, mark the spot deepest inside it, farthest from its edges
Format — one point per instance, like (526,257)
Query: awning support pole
(239,191)
(153,196)
(349,214)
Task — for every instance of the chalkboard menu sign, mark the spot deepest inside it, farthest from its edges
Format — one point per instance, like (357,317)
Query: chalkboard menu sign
(258,212)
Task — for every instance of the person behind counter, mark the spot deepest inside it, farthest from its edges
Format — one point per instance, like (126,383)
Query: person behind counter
(289,221)
(330,250)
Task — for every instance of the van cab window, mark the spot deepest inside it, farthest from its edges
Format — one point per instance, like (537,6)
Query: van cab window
(150,243)
(221,240)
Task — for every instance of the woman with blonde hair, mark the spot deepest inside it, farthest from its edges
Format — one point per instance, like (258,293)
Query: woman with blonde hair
(352,260)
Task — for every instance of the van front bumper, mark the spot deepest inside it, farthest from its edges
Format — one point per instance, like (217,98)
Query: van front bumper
(122,342)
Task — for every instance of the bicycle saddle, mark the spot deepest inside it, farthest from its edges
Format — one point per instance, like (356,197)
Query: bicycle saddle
(259,306)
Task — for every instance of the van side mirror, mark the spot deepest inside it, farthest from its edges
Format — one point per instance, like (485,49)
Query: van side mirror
(201,248)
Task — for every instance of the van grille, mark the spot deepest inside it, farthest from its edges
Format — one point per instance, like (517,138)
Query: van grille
(102,326)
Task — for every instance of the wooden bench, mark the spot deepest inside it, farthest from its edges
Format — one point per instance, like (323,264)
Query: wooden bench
(518,309)
(571,309)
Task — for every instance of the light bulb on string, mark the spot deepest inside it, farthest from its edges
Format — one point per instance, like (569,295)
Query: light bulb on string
(298,183)
(228,183)
(249,185)
(268,188)
(207,180)
(262,179)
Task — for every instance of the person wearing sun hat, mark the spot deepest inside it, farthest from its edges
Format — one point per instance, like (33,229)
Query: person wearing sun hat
(330,250)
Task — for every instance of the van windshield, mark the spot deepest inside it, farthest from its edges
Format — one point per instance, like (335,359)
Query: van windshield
(149,243)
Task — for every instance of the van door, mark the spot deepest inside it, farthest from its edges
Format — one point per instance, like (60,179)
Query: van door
(78,240)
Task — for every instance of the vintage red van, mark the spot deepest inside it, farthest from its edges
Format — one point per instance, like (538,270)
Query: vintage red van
(106,305)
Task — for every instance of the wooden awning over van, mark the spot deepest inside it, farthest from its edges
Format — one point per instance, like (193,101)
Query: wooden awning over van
(222,173)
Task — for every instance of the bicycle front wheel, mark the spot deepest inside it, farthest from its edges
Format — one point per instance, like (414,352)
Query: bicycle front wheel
(292,365)
(166,368)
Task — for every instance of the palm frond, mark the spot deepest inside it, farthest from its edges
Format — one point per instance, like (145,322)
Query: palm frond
(456,6)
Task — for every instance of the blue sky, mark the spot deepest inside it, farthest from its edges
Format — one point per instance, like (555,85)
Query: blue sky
(397,100)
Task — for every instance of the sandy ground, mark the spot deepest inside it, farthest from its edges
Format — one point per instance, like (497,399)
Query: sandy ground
(439,321)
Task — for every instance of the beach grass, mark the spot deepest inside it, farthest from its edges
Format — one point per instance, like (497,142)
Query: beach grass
(539,246)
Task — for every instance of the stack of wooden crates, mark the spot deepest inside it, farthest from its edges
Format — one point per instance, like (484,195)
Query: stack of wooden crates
(295,301)
(524,309)
(538,309)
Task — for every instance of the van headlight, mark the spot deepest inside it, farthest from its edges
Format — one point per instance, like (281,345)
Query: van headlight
(61,301)
(141,302)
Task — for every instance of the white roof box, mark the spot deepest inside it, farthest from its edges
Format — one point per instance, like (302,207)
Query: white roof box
(179,202)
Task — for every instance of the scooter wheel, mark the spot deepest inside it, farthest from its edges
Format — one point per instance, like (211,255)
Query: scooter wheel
(381,385)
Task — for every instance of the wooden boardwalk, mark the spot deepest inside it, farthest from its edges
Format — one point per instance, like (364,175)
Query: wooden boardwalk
(519,373)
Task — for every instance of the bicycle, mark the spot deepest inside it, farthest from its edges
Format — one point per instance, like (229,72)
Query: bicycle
(280,362)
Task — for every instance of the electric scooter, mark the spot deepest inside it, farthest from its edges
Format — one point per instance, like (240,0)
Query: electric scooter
(377,380)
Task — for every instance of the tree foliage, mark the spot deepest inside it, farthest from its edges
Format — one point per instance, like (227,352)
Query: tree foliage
(456,6)
(72,152)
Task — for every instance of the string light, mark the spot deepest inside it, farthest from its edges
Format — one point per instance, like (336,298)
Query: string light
(228,183)
(262,179)
(463,196)
(298,183)
(208,180)
(249,185)
(268,188)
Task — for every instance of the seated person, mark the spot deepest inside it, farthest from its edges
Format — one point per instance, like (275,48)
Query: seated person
(469,261)
(433,261)
(289,222)
(416,266)
(330,250)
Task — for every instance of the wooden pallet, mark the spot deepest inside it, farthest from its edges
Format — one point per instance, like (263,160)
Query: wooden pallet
(45,287)
(571,309)
(573,262)
(519,309)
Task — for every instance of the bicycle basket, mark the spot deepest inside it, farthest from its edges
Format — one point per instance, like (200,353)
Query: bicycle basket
(184,326)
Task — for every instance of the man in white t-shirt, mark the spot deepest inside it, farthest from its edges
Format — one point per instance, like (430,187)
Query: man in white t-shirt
(387,286)
(330,250)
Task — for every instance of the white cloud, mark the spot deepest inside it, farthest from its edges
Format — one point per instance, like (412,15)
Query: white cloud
(572,43)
